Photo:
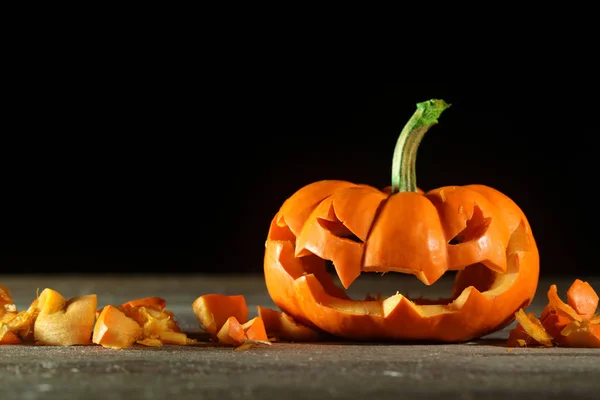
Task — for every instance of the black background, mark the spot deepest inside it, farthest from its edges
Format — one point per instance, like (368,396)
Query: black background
(136,160)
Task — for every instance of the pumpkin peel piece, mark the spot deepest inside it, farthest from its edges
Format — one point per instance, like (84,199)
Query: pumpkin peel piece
(518,337)
(144,321)
(581,334)
(150,342)
(569,325)
(214,310)
(153,302)
(582,298)
(533,328)
(231,332)
(255,330)
(156,321)
(229,314)
(7,305)
(21,324)
(561,307)
(115,330)
(8,311)
(256,334)
(243,336)
(7,336)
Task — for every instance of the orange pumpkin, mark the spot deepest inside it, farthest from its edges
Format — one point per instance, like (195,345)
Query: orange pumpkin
(474,230)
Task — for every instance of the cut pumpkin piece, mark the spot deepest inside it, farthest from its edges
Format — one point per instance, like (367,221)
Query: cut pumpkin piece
(581,334)
(172,337)
(283,326)
(144,321)
(20,326)
(575,320)
(518,337)
(155,303)
(231,332)
(64,323)
(8,311)
(560,307)
(255,330)
(154,318)
(213,310)
(571,324)
(115,330)
(583,299)
(529,331)
(243,336)
(256,334)
(553,322)
(7,305)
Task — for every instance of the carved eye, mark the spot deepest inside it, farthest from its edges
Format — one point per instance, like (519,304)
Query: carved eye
(476,227)
(338,229)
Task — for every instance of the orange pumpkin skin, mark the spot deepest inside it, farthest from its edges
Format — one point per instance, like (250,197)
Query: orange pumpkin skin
(473,229)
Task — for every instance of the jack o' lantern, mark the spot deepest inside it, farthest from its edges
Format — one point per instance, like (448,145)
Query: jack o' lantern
(474,230)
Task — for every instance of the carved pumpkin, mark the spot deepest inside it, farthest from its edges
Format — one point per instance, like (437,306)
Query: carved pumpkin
(474,230)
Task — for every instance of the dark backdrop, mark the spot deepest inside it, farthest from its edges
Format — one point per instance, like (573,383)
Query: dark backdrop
(134,164)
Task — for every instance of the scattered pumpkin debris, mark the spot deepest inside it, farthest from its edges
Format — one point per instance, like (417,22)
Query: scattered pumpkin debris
(572,324)
(213,310)
(50,320)
(144,321)
(53,320)
(225,318)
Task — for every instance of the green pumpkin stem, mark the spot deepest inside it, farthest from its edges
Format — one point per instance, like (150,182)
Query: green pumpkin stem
(405,154)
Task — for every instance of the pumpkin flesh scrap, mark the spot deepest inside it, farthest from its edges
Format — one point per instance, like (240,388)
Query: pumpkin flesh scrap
(243,336)
(144,321)
(8,311)
(227,316)
(533,328)
(115,330)
(62,322)
(582,298)
(213,311)
(56,314)
(497,262)
(571,325)
(231,332)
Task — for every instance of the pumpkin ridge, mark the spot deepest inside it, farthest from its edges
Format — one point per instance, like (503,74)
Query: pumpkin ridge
(375,217)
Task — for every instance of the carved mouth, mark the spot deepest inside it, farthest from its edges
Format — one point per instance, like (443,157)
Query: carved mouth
(481,279)
(477,280)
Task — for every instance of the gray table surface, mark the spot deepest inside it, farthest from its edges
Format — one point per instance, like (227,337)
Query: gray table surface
(479,369)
